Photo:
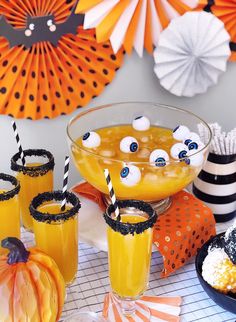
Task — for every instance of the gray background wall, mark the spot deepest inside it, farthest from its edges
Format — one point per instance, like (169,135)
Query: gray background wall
(134,81)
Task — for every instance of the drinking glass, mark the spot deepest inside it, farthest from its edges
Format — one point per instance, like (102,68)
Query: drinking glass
(129,251)
(35,177)
(9,208)
(56,231)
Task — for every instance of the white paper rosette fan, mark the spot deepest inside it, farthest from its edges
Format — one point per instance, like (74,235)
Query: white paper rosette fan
(192,53)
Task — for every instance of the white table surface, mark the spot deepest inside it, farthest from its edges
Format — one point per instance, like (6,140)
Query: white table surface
(92,283)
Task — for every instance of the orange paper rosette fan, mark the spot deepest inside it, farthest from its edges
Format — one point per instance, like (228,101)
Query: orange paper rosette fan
(133,23)
(225,10)
(49,65)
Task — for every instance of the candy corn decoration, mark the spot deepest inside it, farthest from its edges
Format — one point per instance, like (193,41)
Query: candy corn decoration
(50,65)
(133,23)
(161,308)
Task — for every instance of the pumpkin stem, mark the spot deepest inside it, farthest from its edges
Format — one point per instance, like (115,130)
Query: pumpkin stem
(18,252)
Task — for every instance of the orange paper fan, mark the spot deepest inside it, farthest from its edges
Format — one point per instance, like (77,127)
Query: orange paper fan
(133,23)
(225,10)
(49,65)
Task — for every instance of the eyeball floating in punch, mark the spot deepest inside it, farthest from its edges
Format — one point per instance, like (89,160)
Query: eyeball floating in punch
(91,140)
(141,123)
(49,64)
(191,137)
(130,175)
(192,53)
(193,145)
(194,159)
(159,158)
(134,24)
(179,151)
(181,132)
(129,145)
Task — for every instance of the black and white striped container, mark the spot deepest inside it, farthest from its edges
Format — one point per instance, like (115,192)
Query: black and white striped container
(216,186)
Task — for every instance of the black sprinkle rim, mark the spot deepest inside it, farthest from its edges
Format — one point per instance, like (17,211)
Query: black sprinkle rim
(36,170)
(57,196)
(126,228)
(10,193)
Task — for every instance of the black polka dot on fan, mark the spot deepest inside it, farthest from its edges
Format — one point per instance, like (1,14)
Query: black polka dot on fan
(47,80)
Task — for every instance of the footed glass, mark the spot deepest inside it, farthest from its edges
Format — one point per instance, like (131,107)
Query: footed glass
(129,251)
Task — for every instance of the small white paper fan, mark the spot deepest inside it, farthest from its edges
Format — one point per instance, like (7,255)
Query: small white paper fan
(192,53)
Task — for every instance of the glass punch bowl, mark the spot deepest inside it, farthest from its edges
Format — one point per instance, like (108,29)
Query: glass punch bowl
(153,182)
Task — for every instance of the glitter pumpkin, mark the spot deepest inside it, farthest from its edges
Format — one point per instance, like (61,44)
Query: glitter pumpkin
(50,74)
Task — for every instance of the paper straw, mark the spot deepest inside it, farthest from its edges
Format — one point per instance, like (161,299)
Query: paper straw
(222,144)
(213,147)
(22,156)
(112,193)
(217,145)
(65,182)
(227,142)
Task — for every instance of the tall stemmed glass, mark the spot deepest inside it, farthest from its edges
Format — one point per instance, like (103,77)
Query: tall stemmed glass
(129,251)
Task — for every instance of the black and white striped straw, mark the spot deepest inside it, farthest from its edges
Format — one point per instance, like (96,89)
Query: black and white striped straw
(112,193)
(22,156)
(65,182)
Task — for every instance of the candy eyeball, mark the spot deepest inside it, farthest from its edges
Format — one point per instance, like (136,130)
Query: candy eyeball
(191,137)
(181,132)
(159,158)
(196,160)
(195,146)
(141,123)
(129,145)
(178,151)
(130,175)
(91,140)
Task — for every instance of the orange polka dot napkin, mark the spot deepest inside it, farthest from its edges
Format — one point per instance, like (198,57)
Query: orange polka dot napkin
(160,308)
(179,232)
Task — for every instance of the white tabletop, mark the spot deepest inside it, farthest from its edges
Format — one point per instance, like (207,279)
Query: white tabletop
(92,283)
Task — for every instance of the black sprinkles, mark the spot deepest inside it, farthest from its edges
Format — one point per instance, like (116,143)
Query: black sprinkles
(34,171)
(127,228)
(10,193)
(54,196)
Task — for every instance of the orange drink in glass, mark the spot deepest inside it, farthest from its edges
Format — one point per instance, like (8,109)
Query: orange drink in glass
(35,177)
(9,208)
(129,250)
(56,231)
